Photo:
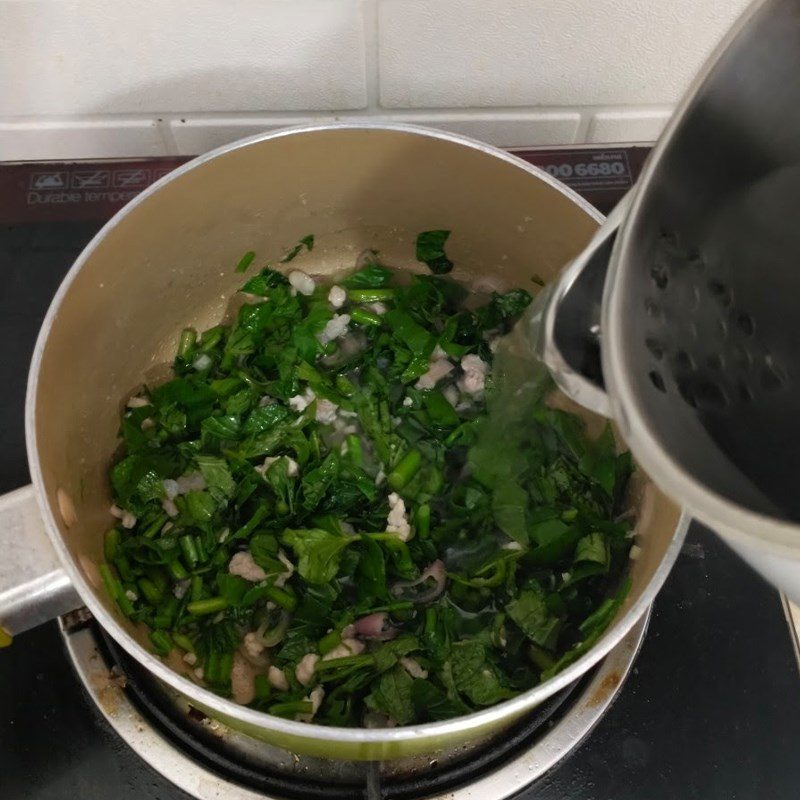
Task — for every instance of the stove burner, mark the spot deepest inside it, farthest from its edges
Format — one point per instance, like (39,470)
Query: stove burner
(207,760)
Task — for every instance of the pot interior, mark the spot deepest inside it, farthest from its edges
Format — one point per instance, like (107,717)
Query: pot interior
(167,262)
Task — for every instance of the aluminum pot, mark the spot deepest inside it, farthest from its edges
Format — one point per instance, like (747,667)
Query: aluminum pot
(166,261)
(680,319)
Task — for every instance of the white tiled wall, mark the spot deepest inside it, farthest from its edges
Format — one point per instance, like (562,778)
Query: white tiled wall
(104,78)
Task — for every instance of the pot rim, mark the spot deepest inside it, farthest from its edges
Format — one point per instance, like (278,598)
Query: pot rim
(227,708)
(727,516)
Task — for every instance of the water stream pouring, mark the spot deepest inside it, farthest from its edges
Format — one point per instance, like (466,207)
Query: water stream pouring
(680,319)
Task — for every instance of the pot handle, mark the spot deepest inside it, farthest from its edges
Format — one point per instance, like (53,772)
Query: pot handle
(571,340)
(34,587)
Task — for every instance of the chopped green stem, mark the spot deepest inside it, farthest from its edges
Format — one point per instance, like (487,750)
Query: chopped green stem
(177,570)
(196,589)
(363,317)
(225,667)
(291,708)
(152,592)
(262,688)
(187,544)
(329,641)
(110,544)
(400,605)
(354,450)
(200,549)
(158,578)
(423,521)
(166,613)
(347,661)
(245,261)
(314,443)
(455,435)
(114,588)
(211,338)
(161,642)
(186,342)
(183,641)
(280,597)
(155,526)
(385,416)
(370,295)
(430,620)
(225,387)
(435,481)
(407,468)
(211,669)
(381,536)
(208,606)
(345,386)
(123,566)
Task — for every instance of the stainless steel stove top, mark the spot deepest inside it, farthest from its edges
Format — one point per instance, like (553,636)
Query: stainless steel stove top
(106,682)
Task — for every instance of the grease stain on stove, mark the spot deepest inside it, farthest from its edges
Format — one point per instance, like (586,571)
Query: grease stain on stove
(217,728)
(107,684)
(606,689)
(108,695)
(196,714)
(693,550)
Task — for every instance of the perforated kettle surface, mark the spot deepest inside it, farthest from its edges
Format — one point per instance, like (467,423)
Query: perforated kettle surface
(710,279)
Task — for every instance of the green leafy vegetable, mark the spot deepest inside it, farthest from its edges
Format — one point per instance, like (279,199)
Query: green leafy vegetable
(373,276)
(502,308)
(245,261)
(306,242)
(200,507)
(319,552)
(290,494)
(217,476)
(392,696)
(475,676)
(430,250)
(509,503)
(529,610)
(267,279)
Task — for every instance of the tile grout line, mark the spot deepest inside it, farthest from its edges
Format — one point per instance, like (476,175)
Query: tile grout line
(369,20)
(218,125)
(582,132)
(476,111)
(167,135)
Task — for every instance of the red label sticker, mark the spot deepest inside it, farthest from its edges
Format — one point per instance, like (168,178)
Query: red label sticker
(602,175)
(95,190)
(71,191)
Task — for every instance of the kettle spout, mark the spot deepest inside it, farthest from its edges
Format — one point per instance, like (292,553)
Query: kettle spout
(570,341)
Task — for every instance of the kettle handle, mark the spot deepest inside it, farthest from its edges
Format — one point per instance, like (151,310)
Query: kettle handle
(571,335)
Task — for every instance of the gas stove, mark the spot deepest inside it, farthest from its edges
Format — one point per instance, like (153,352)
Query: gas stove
(701,700)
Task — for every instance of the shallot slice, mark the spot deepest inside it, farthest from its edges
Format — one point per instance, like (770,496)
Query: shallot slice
(434,571)
(375,626)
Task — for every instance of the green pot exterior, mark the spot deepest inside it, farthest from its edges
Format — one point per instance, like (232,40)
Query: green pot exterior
(424,744)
